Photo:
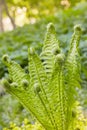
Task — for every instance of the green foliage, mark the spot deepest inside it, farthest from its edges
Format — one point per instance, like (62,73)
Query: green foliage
(15,44)
(49,90)
(25,126)
(81,124)
(43,7)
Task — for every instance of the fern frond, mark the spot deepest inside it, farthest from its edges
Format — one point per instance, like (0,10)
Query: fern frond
(16,73)
(57,90)
(50,47)
(72,65)
(72,71)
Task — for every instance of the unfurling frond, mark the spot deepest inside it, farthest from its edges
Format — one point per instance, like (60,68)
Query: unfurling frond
(50,49)
(49,90)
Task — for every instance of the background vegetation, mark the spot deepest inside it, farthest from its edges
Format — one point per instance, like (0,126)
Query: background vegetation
(36,15)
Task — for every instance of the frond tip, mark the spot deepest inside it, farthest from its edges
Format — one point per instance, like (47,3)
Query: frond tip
(49,90)
(6,59)
(60,58)
(36,88)
(15,85)
(5,83)
(31,51)
(25,83)
(50,27)
(77,28)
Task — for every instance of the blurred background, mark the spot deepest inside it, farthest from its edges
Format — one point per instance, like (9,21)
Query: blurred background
(23,24)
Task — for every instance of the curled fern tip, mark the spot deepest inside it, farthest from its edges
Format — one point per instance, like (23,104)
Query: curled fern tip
(36,88)
(5,83)
(15,85)
(60,58)
(77,28)
(56,51)
(50,26)
(25,83)
(6,58)
(31,51)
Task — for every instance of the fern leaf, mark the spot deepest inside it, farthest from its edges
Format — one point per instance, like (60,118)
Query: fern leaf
(72,65)
(50,47)
(57,90)
(72,71)
(16,73)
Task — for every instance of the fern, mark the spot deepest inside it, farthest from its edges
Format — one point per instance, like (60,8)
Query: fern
(49,90)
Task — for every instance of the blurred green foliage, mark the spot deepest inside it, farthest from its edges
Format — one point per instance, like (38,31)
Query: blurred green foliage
(15,44)
(42,6)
